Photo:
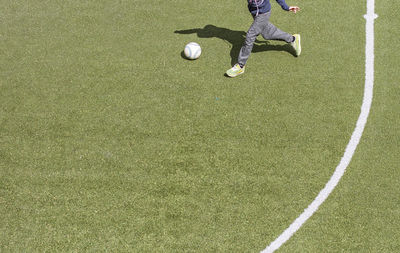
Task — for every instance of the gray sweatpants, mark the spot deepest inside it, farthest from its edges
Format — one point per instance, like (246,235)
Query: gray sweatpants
(261,25)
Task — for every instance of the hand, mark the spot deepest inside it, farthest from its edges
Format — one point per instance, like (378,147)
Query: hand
(294,9)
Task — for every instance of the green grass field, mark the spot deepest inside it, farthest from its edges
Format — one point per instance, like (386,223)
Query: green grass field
(111,141)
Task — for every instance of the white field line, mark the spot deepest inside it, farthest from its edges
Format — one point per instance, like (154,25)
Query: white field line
(355,137)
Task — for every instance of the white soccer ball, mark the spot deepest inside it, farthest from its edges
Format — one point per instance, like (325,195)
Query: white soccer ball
(192,50)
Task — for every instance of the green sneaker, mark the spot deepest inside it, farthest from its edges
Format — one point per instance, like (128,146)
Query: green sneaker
(296,44)
(235,70)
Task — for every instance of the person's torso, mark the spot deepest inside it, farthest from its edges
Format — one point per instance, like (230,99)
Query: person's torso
(258,6)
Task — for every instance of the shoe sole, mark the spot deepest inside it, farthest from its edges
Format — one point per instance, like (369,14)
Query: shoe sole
(299,39)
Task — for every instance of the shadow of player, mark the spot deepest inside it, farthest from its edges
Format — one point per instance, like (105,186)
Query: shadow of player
(236,38)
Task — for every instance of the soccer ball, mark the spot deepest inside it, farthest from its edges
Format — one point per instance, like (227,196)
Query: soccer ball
(192,51)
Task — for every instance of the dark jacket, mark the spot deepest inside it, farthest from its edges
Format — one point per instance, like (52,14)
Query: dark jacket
(257,7)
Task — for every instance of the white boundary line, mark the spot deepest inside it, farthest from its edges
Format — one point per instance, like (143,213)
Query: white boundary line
(355,137)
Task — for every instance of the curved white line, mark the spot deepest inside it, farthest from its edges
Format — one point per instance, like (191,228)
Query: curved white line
(355,137)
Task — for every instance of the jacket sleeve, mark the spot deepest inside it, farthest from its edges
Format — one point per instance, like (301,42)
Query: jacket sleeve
(283,4)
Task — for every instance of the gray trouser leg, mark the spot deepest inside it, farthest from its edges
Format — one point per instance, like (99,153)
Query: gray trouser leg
(251,36)
(261,25)
(271,32)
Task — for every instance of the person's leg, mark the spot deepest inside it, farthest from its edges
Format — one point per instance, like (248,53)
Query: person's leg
(251,36)
(245,51)
(271,32)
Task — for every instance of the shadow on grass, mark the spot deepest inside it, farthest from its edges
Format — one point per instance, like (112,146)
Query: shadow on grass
(236,38)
